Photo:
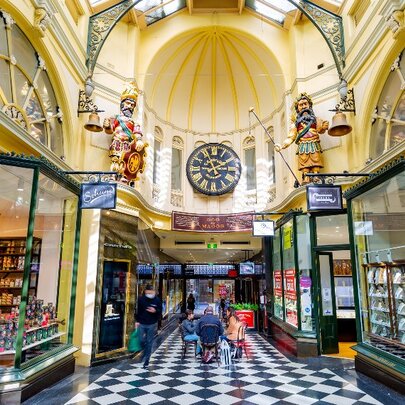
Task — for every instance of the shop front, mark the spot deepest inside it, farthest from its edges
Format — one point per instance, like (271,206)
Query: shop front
(116,285)
(39,228)
(377,223)
(312,285)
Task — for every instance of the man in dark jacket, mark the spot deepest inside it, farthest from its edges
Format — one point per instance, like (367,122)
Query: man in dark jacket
(147,316)
(209,319)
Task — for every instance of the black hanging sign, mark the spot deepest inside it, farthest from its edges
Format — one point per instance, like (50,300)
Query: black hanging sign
(98,195)
(324,198)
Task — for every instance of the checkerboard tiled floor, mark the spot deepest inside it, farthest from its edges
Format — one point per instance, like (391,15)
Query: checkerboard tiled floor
(266,377)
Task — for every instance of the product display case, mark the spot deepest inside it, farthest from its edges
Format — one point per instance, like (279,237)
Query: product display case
(386,306)
(12,260)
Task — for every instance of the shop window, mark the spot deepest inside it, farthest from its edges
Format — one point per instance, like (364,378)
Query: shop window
(289,274)
(41,265)
(388,122)
(332,230)
(16,191)
(379,228)
(305,273)
(277,277)
(49,298)
(26,94)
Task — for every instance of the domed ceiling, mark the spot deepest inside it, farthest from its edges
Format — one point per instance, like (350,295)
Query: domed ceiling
(206,80)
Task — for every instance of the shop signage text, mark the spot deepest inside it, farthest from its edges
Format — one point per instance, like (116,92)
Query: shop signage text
(321,197)
(278,289)
(182,221)
(98,195)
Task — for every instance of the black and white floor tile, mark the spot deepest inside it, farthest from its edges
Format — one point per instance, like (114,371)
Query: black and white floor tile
(265,377)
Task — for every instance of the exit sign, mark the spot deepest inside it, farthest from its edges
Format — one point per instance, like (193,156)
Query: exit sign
(212,245)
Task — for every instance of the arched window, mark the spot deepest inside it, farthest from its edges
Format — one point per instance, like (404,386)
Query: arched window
(388,125)
(177,156)
(157,154)
(249,151)
(270,157)
(26,93)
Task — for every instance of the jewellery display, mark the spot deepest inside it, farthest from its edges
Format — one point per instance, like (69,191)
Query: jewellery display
(385,288)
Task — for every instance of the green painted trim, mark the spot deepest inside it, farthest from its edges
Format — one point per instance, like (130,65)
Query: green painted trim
(46,166)
(321,248)
(316,292)
(384,358)
(47,359)
(297,272)
(389,170)
(74,275)
(285,218)
(27,269)
(355,272)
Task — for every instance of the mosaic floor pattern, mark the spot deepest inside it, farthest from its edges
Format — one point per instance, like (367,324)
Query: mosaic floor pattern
(265,377)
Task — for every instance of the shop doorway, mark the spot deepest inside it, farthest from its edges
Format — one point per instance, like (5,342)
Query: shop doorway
(114,304)
(337,312)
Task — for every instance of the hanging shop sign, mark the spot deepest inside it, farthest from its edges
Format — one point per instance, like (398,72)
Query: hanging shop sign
(263,228)
(182,221)
(324,197)
(98,195)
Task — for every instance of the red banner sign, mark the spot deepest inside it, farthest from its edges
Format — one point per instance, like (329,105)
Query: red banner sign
(182,221)
(289,284)
(278,289)
(246,316)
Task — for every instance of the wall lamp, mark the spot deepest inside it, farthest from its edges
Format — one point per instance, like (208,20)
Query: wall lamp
(346,103)
(340,125)
(86,105)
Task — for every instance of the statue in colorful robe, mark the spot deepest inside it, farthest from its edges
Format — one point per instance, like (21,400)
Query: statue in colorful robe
(304,131)
(127,149)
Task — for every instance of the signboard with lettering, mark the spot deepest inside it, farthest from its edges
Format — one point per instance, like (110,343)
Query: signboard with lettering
(324,197)
(278,288)
(289,284)
(98,195)
(247,316)
(182,221)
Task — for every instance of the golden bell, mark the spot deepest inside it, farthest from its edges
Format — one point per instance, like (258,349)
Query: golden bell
(93,124)
(339,125)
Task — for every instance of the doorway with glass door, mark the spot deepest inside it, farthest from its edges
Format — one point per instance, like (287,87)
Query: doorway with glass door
(337,312)
(114,303)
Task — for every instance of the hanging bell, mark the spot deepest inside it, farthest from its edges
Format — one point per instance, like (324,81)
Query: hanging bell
(339,125)
(93,124)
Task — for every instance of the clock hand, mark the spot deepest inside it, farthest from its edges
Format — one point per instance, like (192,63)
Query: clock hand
(213,167)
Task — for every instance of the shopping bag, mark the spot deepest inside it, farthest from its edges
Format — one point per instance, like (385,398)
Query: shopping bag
(134,343)
(225,353)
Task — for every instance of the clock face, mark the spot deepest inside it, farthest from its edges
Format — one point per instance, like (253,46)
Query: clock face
(213,169)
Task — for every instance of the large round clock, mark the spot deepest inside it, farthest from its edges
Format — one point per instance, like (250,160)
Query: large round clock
(213,169)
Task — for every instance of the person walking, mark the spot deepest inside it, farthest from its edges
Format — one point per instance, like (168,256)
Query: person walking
(191,302)
(148,313)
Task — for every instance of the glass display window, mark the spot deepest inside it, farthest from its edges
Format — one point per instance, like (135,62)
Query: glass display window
(48,308)
(15,205)
(378,217)
(305,273)
(332,230)
(277,277)
(289,274)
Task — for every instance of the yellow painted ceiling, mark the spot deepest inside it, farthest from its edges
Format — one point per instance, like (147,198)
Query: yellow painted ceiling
(205,80)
